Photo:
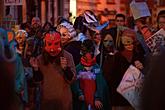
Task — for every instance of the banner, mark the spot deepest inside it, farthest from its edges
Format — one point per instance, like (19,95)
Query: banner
(156,41)
(131,86)
(12,2)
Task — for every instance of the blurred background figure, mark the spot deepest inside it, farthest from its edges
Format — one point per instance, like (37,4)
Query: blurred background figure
(9,100)
(161,19)
(153,92)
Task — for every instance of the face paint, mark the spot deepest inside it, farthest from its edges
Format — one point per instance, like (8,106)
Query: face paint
(52,43)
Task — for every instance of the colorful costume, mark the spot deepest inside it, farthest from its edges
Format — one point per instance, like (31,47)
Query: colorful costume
(90,83)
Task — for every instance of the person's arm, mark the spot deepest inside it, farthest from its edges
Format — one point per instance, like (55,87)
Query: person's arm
(68,67)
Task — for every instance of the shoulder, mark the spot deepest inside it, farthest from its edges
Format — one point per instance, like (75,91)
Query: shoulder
(67,55)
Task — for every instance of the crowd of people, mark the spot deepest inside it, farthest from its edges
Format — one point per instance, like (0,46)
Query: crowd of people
(75,66)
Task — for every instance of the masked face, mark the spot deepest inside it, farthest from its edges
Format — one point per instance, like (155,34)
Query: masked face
(127,42)
(52,43)
(108,42)
(65,37)
(20,38)
(88,60)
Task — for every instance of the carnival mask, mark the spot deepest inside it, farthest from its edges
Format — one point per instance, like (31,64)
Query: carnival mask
(88,60)
(127,42)
(21,37)
(108,41)
(87,50)
(52,43)
(65,37)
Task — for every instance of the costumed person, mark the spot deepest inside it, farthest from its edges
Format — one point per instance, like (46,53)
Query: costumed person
(87,24)
(72,45)
(9,99)
(132,49)
(90,84)
(93,29)
(69,40)
(21,83)
(80,28)
(58,69)
(113,65)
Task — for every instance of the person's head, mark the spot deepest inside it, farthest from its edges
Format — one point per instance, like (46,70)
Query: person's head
(140,22)
(20,38)
(47,26)
(29,47)
(67,32)
(120,20)
(161,19)
(78,25)
(36,23)
(87,50)
(108,43)
(52,43)
(128,39)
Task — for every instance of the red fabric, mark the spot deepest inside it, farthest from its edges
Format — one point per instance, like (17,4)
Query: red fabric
(127,54)
(89,88)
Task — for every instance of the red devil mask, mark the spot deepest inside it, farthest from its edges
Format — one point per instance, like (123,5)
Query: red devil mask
(87,60)
(52,43)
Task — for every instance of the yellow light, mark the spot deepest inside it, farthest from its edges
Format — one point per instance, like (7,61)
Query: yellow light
(73,7)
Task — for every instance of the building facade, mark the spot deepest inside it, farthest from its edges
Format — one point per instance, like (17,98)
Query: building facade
(24,10)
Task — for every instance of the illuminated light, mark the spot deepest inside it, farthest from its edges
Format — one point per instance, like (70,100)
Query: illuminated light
(73,7)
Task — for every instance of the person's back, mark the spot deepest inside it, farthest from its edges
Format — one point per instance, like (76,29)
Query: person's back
(153,92)
(8,99)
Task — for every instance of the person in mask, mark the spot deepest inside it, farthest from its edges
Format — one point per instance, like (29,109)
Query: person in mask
(57,67)
(132,49)
(113,65)
(90,82)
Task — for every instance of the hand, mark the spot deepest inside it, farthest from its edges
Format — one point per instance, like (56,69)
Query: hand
(98,104)
(64,62)
(81,97)
(34,63)
(138,64)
